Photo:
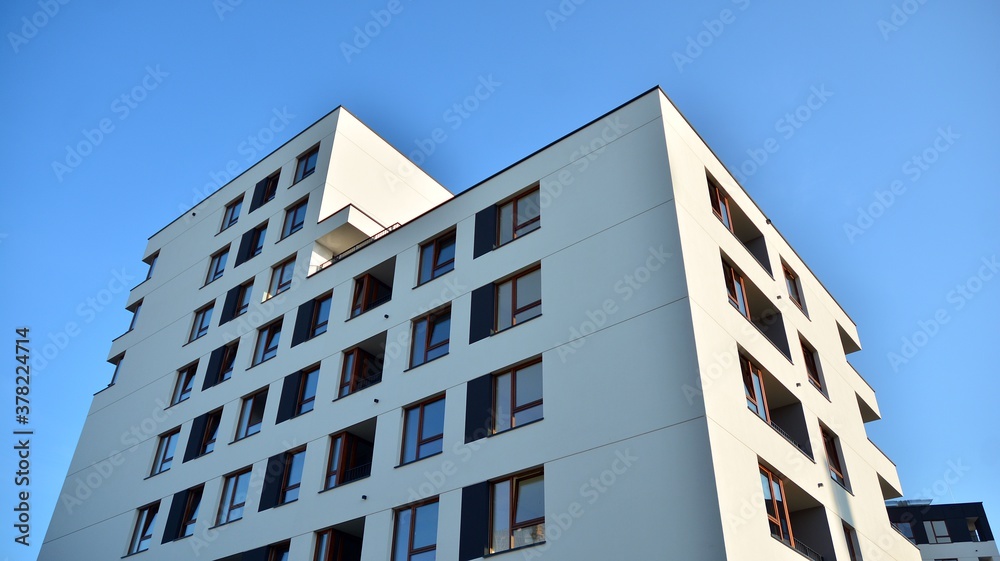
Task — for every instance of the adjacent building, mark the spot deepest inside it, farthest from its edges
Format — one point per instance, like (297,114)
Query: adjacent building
(945,532)
(603,351)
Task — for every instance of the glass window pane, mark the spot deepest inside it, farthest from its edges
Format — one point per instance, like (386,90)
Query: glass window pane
(502,403)
(529,384)
(501,516)
(426,262)
(446,251)
(530,499)
(505,305)
(425,526)
(528,415)
(528,207)
(441,330)
(431,448)
(433,419)
(506,223)
(529,288)
(419,342)
(295,468)
(402,538)
(425,556)
(410,437)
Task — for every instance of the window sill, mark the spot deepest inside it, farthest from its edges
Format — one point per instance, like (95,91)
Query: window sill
(152,475)
(228,522)
(192,340)
(515,427)
(425,362)
(843,486)
(242,438)
(198,456)
(256,364)
(377,304)
(512,326)
(820,389)
(339,485)
(497,246)
(518,548)
(411,462)
(135,553)
(432,279)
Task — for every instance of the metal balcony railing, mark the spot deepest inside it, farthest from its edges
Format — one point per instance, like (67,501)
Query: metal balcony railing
(358,472)
(789,438)
(356,247)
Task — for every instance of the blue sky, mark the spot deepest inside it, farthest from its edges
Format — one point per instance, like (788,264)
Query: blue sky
(875,118)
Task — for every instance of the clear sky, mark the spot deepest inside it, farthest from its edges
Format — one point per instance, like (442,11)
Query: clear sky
(866,130)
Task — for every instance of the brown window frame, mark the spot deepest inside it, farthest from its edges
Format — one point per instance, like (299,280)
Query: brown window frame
(167,444)
(243,431)
(302,170)
(243,299)
(437,267)
(202,322)
(410,551)
(189,518)
(270,339)
(793,286)
(302,399)
(142,533)
(333,540)
(810,362)
(720,203)
(422,439)
(529,226)
(286,484)
(736,289)
(232,214)
(184,386)
(513,407)
(756,404)
(257,241)
(217,265)
(279,283)
(365,289)
(358,373)
(227,504)
(849,537)
(338,465)
(271,189)
(431,321)
(781,514)
(833,459)
(277,551)
(318,325)
(211,434)
(932,536)
(228,364)
(514,312)
(513,482)
(293,223)
(151,261)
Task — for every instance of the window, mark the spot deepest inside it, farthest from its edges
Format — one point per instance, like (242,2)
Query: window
(833,458)
(350,458)
(906,529)
(151,261)
(243,299)
(211,432)
(228,361)
(753,386)
(135,314)
(217,266)
(257,240)
(292,478)
(518,511)
(423,430)
(165,451)
(117,361)
(270,188)
(190,517)
(321,315)
(737,290)
(415,538)
(937,531)
(519,299)
(812,368)
(295,218)
(853,548)
(369,292)
(185,384)
(333,545)
(517,396)
(234,497)
(278,552)
(720,203)
(777,508)
(361,370)
(251,415)
(431,335)
(307,391)
(437,257)
(143,532)
(793,285)
(267,342)
(519,216)
(306,164)
(202,319)
(232,213)
(281,277)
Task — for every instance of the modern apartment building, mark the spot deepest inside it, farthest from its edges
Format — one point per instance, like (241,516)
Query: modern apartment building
(945,532)
(603,351)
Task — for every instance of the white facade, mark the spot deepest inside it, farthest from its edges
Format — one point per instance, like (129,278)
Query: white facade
(647,445)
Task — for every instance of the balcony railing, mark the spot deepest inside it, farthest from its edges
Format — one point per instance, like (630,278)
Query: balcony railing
(358,472)
(807,551)
(789,438)
(354,248)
